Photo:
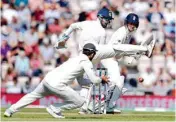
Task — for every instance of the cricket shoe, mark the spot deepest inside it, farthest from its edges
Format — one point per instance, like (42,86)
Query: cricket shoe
(8,113)
(83,111)
(54,114)
(124,90)
(150,44)
(150,48)
(147,42)
(113,111)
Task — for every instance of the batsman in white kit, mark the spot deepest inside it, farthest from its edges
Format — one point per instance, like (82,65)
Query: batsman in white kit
(56,82)
(117,47)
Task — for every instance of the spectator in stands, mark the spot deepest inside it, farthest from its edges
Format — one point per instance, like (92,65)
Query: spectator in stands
(8,33)
(36,64)
(124,72)
(140,7)
(19,2)
(127,8)
(31,36)
(156,20)
(171,68)
(67,18)
(163,75)
(149,77)
(169,31)
(24,15)
(55,27)
(22,64)
(5,48)
(13,86)
(169,13)
(10,75)
(38,14)
(66,14)
(16,25)
(47,51)
(9,12)
(34,4)
(161,88)
(20,46)
(63,3)
(27,87)
(52,13)
(41,28)
(5,33)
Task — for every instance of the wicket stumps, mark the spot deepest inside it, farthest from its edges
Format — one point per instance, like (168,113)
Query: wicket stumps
(100,71)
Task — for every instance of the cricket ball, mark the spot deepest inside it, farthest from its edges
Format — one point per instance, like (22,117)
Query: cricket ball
(140,79)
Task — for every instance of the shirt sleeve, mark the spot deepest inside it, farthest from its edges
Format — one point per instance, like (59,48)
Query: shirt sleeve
(73,27)
(83,80)
(88,68)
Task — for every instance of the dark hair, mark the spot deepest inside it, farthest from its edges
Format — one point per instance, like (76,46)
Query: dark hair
(88,52)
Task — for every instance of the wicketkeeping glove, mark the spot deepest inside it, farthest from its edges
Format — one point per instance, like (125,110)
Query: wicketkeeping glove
(61,42)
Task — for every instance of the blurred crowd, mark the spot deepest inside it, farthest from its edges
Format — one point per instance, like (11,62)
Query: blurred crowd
(29,29)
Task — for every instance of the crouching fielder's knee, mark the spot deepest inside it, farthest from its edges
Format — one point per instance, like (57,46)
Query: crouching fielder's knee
(79,102)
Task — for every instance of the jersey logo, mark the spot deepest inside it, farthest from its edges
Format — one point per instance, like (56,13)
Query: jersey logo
(134,17)
(110,13)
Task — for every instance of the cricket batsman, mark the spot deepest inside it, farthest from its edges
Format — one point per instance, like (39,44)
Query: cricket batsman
(57,82)
(121,36)
(95,31)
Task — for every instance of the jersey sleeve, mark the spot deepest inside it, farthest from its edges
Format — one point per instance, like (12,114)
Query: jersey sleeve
(83,81)
(73,27)
(88,68)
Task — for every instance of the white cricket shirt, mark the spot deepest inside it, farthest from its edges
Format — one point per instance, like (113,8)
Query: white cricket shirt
(121,36)
(71,69)
(88,32)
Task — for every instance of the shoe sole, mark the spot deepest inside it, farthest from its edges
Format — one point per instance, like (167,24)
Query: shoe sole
(153,46)
(53,114)
(7,115)
(147,41)
(112,112)
(82,113)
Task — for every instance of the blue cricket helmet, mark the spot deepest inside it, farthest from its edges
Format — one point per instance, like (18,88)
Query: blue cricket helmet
(105,13)
(133,19)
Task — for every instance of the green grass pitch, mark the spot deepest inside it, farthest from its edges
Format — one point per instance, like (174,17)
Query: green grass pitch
(37,114)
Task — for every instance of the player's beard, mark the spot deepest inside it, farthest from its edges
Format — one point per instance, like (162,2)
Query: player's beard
(92,56)
(104,23)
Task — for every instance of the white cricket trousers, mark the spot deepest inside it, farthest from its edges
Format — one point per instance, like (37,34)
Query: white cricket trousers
(110,51)
(71,98)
